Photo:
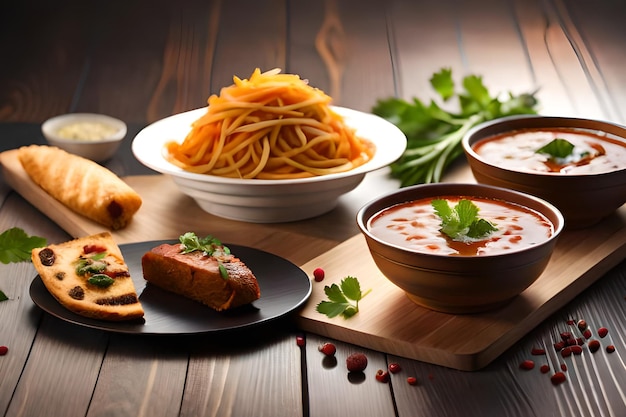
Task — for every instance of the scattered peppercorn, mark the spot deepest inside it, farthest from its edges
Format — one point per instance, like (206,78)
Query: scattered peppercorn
(582,325)
(593,345)
(327,349)
(587,334)
(3,350)
(537,351)
(356,362)
(394,368)
(558,378)
(300,341)
(610,349)
(318,274)
(411,380)
(527,365)
(602,332)
(544,369)
(382,376)
(576,349)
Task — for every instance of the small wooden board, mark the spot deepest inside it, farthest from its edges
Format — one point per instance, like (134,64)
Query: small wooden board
(388,321)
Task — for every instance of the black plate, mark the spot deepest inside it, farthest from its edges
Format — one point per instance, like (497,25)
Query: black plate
(284,288)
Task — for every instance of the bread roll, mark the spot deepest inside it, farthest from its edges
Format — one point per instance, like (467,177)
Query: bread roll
(81,184)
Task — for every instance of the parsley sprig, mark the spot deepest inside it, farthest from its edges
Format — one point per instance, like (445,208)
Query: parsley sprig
(343,299)
(433,134)
(461,222)
(209,245)
(16,246)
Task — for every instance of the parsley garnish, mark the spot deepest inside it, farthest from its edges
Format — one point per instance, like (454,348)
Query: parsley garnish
(433,134)
(343,299)
(462,223)
(16,246)
(557,148)
(208,245)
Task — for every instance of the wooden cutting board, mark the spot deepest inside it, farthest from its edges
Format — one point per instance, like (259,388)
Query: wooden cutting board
(388,321)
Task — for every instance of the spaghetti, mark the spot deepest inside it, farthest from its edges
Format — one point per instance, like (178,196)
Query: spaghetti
(270,126)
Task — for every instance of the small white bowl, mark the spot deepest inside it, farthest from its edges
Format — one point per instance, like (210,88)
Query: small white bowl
(267,201)
(98,147)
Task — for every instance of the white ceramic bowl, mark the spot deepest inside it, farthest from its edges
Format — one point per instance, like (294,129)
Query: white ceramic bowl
(100,149)
(267,201)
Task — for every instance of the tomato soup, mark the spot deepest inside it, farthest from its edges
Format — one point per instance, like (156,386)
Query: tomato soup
(593,152)
(414,225)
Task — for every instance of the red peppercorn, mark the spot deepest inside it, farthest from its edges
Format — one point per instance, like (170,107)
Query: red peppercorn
(318,274)
(593,345)
(3,350)
(582,325)
(610,349)
(527,365)
(587,334)
(558,378)
(300,341)
(537,351)
(576,349)
(565,336)
(382,376)
(544,369)
(566,352)
(563,367)
(394,368)
(356,362)
(327,349)
(559,345)
(603,331)
(411,380)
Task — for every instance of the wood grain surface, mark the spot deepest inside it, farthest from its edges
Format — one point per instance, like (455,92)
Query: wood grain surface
(389,321)
(142,60)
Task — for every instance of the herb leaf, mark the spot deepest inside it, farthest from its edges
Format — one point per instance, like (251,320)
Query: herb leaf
(16,245)
(433,134)
(101,280)
(557,148)
(3,296)
(343,299)
(462,223)
(208,244)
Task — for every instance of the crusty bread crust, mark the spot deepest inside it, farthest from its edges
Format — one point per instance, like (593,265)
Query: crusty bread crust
(56,265)
(81,184)
(197,276)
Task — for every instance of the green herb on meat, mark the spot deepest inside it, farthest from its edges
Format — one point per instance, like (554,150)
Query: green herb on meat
(433,134)
(461,222)
(208,244)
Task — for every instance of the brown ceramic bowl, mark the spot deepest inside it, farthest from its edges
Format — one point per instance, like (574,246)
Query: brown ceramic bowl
(584,199)
(460,284)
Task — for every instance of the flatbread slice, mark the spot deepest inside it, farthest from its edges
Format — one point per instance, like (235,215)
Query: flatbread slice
(81,184)
(89,276)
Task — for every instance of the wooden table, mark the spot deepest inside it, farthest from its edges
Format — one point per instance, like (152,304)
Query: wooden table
(141,61)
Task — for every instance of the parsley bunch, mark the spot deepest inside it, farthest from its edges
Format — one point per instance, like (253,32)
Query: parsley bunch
(433,134)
